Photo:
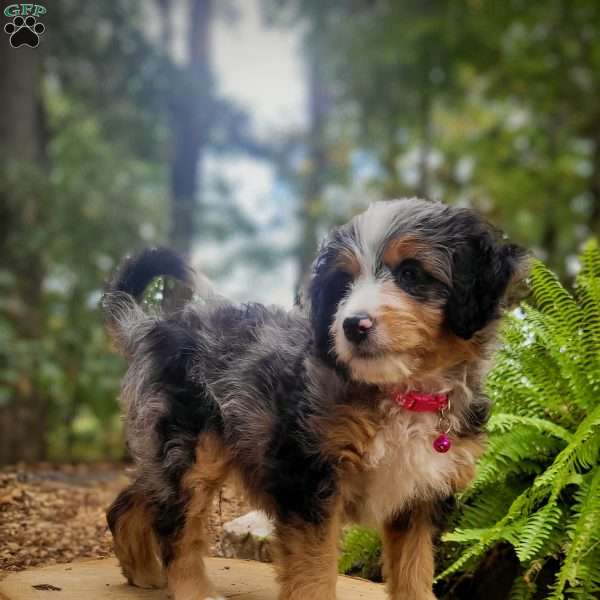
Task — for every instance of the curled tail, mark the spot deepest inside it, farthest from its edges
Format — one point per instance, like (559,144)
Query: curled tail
(138,271)
(120,303)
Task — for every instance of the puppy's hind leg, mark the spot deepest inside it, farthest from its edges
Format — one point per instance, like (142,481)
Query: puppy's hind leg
(186,572)
(130,519)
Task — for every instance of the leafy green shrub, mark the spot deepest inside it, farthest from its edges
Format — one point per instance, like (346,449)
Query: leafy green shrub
(538,485)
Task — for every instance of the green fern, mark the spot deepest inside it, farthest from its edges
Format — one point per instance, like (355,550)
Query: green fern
(538,486)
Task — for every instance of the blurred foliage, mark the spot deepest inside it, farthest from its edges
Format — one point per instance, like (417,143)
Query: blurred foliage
(97,203)
(477,102)
(482,103)
(98,194)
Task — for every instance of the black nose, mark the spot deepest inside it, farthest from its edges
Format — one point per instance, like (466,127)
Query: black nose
(357,327)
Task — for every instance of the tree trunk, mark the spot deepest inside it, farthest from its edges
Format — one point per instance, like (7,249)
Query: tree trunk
(550,234)
(317,151)
(425,146)
(23,416)
(166,32)
(595,180)
(191,112)
(426,127)
(393,187)
(19,116)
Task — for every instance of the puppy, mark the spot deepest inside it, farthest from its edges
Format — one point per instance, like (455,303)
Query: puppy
(362,404)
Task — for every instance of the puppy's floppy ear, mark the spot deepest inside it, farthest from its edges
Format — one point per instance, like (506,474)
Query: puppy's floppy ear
(482,270)
(328,285)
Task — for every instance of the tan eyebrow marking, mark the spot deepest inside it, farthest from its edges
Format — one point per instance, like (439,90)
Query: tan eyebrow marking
(410,246)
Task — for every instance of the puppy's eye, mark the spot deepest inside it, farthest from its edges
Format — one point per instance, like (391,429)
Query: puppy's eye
(410,273)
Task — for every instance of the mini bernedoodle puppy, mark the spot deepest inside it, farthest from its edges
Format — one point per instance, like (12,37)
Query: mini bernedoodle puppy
(363,404)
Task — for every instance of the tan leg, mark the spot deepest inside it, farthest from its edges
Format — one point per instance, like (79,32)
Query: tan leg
(307,557)
(186,573)
(130,520)
(408,557)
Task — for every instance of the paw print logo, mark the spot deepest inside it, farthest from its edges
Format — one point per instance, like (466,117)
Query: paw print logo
(24,32)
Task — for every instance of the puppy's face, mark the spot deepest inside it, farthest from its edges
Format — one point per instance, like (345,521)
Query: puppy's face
(404,284)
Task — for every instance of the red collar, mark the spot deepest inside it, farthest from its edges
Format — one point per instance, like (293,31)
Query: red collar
(420,401)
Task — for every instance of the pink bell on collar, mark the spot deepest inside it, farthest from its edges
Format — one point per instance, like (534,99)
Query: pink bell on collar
(442,443)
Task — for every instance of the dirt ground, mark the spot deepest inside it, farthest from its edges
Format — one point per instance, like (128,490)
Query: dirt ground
(53,514)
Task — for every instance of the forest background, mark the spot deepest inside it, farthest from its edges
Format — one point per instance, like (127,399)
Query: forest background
(123,129)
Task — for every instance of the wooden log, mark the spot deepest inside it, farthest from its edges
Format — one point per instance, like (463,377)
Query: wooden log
(102,580)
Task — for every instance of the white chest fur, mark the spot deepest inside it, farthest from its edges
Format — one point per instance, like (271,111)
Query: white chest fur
(402,467)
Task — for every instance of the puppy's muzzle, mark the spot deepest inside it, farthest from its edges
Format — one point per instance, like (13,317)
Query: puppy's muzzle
(358,327)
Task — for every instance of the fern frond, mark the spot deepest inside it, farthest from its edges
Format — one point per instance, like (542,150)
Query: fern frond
(509,453)
(590,260)
(574,455)
(554,300)
(588,293)
(583,533)
(563,342)
(526,368)
(503,422)
(537,529)
(465,536)
(487,506)
(502,530)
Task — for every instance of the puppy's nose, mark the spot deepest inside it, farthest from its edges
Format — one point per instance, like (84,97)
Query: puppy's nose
(357,327)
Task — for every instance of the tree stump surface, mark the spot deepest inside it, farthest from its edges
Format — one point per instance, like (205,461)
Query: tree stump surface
(102,580)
